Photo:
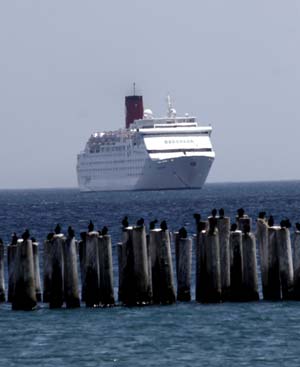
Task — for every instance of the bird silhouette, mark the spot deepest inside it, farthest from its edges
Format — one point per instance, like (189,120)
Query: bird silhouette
(1,241)
(26,235)
(261,215)
(201,226)
(50,236)
(71,232)
(152,224)
(285,223)
(125,222)
(182,233)
(197,217)
(14,239)
(221,213)
(214,213)
(271,221)
(104,231)
(297,226)
(91,226)
(140,222)
(163,225)
(233,227)
(57,229)
(240,212)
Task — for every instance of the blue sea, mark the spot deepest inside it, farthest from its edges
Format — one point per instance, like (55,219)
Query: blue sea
(184,334)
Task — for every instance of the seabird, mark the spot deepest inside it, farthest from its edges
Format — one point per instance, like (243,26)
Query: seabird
(197,217)
(214,213)
(240,212)
(83,236)
(14,239)
(71,232)
(26,235)
(163,225)
(233,227)
(104,231)
(152,224)
(1,241)
(125,222)
(91,226)
(221,213)
(271,221)
(140,222)
(261,215)
(298,226)
(57,229)
(182,233)
(50,236)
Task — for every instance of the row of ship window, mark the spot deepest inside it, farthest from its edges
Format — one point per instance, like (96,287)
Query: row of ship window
(91,172)
(112,162)
(185,141)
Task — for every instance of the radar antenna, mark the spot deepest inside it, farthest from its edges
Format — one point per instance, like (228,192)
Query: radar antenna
(169,103)
(134,88)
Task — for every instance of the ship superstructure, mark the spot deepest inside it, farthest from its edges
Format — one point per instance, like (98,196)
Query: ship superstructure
(149,154)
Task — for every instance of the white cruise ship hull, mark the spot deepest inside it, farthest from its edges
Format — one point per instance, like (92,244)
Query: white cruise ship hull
(188,172)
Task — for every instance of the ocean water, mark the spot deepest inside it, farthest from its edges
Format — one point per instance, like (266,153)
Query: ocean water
(184,334)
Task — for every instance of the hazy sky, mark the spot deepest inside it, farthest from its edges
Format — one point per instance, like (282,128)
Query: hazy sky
(65,67)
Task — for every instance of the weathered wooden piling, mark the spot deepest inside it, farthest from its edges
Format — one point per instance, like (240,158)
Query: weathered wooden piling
(296,264)
(201,273)
(250,278)
(262,239)
(2,280)
(11,257)
(162,267)
(92,270)
(81,253)
(272,291)
(54,271)
(236,266)
(286,270)
(223,225)
(24,297)
(106,271)
(212,289)
(71,287)
(184,269)
(37,276)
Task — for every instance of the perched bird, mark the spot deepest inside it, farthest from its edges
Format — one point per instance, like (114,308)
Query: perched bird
(285,223)
(104,231)
(125,222)
(240,212)
(261,215)
(91,226)
(163,225)
(26,235)
(14,239)
(221,213)
(50,236)
(152,224)
(233,227)
(246,228)
(71,232)
(214,213)
(57,229)
(140,222)
(271,221)
(197,217)
(1,241)
(182,233)
(298,226)
(212,226)
(201,226)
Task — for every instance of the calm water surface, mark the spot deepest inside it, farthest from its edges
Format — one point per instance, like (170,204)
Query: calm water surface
(252,334)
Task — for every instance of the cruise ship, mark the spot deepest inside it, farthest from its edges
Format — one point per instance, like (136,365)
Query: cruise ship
(150,153)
